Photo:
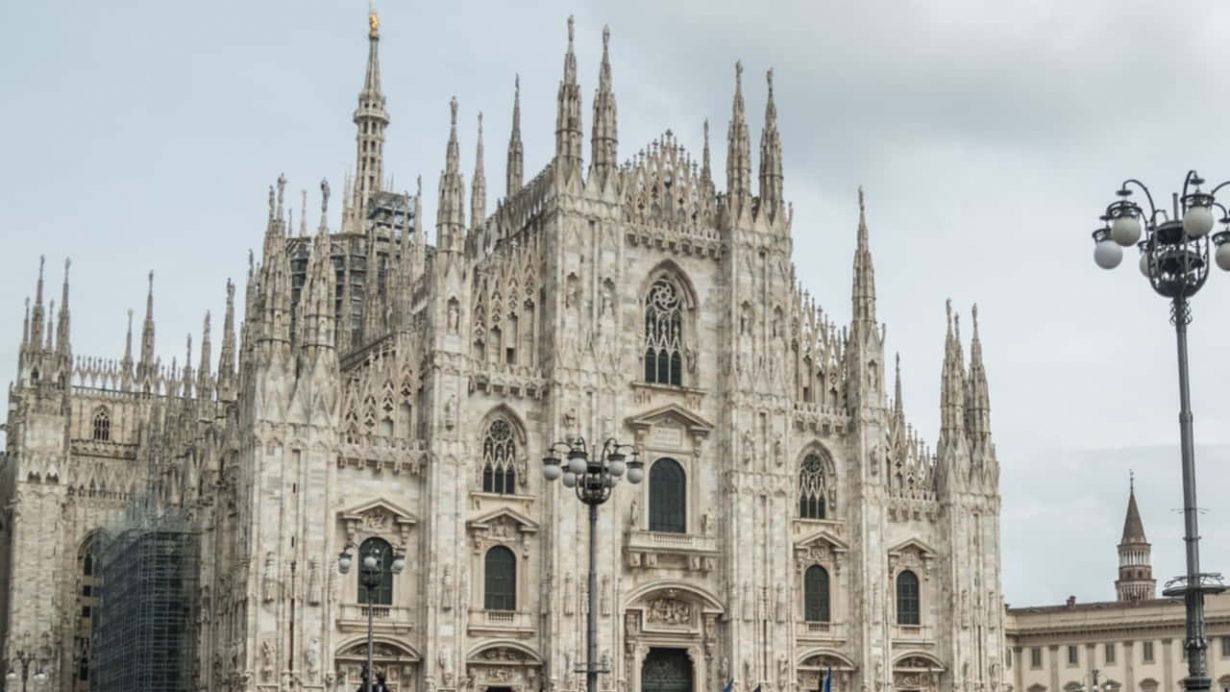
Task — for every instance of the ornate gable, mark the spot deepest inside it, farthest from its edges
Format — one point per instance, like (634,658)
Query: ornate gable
(911,554)
(670,427)
(377,517)
(821,547)
(504,525)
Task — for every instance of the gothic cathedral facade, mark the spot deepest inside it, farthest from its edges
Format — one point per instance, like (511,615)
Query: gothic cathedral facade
(384,392)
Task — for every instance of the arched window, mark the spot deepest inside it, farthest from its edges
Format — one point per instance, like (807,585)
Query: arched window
(907,598)
(664,334)
(102,425)
(500,579)
(812,488)
(382,594)
(667,497)
(499,456)
(816,594)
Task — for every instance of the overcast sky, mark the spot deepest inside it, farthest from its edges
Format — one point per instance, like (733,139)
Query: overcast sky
(988,136)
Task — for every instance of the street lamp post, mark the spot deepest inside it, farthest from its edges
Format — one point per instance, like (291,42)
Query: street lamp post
(1174,257)
(26,658)
(592,478)
(1095,687)
(371,573)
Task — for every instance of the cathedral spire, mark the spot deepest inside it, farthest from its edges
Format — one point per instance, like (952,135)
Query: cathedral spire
(145,367)
(36,317)
(63,348)
(568,112)
(371,119)
(478,184)
(516,152)
(1135,580)
(605,139)
(706,171)
(863,293)
(204,385)
(226,359)
(738,156)
(979,402)
(450,214)
(952,386)
(126,362)
(770,158)
(186,380)
(316,317)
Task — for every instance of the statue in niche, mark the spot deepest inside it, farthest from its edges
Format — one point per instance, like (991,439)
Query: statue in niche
(446,588)
(783,672)
(781,603)
(748,605)
(749,447)
(446,668)
(706,524)
(313,582)
(450,412)
(311,658)
(266,660)
(634,514)
(454,316)
(779,455)
(268,579)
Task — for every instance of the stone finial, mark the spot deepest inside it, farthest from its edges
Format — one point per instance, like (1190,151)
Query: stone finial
(571,31)
(452,107)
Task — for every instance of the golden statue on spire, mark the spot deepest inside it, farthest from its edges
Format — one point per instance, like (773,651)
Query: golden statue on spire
(373,20)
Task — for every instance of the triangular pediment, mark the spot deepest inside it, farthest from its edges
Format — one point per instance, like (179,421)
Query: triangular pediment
(823,537)
(379,508)
(671,415)
(909,544)
(504,515)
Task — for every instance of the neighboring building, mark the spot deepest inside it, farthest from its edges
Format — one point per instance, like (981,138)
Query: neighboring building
(1134,643)
(395,394)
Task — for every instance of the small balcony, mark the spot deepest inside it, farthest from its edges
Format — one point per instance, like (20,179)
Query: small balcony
(500,622)
(650,549)
(388,619)
(829,632)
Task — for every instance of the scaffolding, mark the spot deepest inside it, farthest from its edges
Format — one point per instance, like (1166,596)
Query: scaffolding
(144,638)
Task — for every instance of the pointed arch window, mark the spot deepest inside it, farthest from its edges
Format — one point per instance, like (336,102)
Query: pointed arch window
(664,334)
(382,594)
(499,458)
(667,497)
(102,425)
(813,487)
(907,598)
(500,579)
(816,594)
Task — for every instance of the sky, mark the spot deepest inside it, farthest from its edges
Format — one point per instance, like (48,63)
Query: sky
(989,137)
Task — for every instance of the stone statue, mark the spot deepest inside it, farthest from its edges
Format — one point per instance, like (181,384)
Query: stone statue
(634,514)
(313,582)
(311,658)
(454,317)
(446,588)
(268,579)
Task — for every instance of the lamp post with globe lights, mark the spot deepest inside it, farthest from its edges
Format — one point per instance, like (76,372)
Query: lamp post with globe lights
(25,658)
(1174,257)
(592,478)
(371,574)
